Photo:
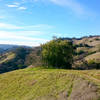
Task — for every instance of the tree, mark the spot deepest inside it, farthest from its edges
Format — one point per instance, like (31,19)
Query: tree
(58,53)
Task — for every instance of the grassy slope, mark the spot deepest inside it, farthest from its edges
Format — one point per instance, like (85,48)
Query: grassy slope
(31,83)
(7,57)
(95,57)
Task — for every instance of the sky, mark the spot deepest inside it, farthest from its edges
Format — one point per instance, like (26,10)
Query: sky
(34,22)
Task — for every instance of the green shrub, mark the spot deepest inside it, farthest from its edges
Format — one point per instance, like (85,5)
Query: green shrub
(92,64)
(80,52)
(58,53)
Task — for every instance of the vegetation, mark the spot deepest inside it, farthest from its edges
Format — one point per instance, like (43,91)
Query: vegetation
(14,60)
(58,53)
(50,84)
(34,57)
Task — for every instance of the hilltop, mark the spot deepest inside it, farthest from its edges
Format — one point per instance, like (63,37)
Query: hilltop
(50,84)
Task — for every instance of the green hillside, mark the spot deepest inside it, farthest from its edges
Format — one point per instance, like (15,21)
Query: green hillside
(50,84)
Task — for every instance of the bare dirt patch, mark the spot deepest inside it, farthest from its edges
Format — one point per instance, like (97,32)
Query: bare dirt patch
(83,90)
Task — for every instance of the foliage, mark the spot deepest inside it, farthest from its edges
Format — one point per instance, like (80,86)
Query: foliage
(58,53)
(80,52)
(93,64)
(34,57)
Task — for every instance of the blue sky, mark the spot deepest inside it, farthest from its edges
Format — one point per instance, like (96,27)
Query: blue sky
(32,22)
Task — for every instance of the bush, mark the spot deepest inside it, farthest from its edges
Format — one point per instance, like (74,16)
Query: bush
(80,52)
(58,53)
(93,64)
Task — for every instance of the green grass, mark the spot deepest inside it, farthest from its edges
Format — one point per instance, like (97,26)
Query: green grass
(8,56)
(31,83)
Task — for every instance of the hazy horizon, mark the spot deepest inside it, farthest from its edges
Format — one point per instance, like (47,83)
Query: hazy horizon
(32,22)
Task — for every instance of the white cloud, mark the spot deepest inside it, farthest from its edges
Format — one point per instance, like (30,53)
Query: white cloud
(22,8)
(20,43)
(41,26)
(20,39)
(8,26)
(72,4)
(14,5)
(23,35)
(26,27)
(17,3)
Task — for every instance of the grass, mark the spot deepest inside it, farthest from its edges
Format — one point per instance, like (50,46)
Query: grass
(31,83)
(8,56)
(95,57)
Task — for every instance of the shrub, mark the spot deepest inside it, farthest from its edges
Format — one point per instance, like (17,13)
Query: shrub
(58,53)
(80,52)
(91,64)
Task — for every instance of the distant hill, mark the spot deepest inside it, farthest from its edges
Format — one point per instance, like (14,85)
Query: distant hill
(7,46)
(40,83)
(1,50)
(87,50)
(19,58)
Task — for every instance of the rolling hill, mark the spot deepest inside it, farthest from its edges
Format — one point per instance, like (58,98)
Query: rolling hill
(87,49)
(7,46)
(40,83)
(14,59)
(50,84)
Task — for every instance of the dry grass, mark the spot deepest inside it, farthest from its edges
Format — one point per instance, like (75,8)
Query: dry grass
(8,56)
(36,83)
(95,57)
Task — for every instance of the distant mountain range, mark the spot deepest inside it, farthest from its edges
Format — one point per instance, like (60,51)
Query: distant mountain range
(7,47)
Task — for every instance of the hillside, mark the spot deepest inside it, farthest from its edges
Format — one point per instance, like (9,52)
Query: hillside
(7,46)
(14,59)
(6,57)
(50,84)
(87,50)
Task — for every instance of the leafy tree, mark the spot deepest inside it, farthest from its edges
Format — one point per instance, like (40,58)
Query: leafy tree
(57,53)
